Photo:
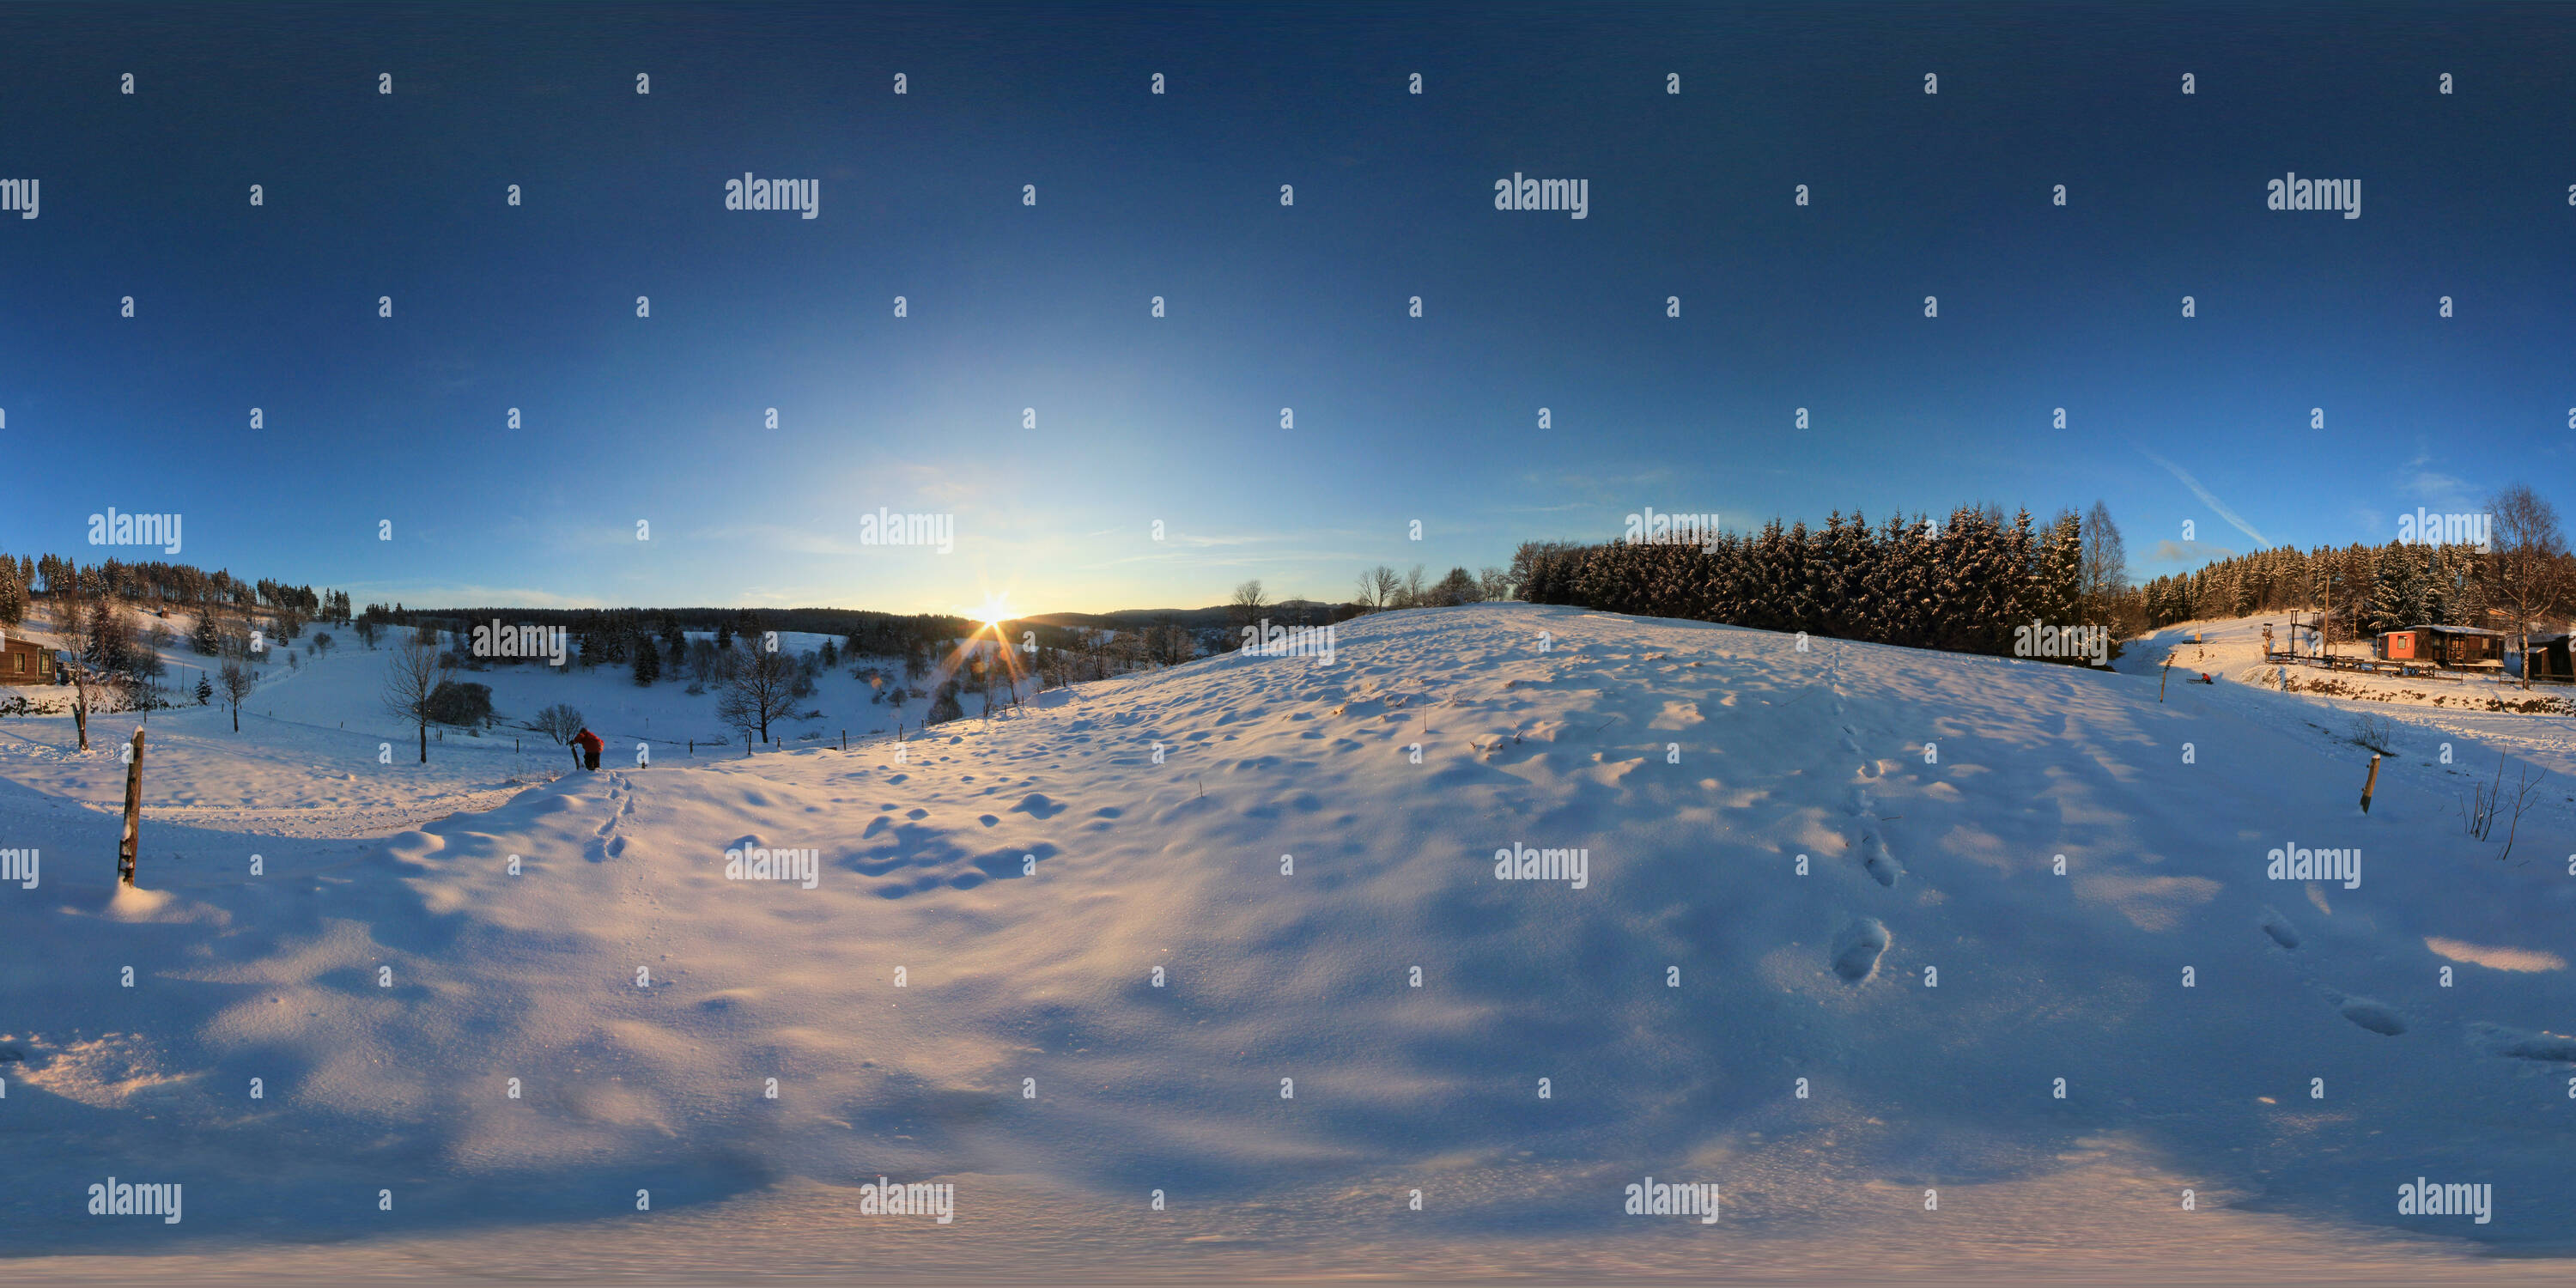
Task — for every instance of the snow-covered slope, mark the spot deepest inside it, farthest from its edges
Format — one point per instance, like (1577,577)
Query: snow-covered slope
(1834,870)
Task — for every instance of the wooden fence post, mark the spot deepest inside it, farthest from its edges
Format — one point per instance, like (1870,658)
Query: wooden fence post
(126,848)
(2371,784)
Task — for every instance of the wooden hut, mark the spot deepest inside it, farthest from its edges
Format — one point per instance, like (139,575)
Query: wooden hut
(2454,647)
(2546,657)
(24,661)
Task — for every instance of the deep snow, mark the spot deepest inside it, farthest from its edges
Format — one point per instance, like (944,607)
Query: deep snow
(1027,879)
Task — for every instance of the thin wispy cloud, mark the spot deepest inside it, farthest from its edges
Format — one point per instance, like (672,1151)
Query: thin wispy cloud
(2435,489)
(2216,505)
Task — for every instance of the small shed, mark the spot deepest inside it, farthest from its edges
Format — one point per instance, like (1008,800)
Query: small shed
(25,662)
(2447,646)
(2546,657)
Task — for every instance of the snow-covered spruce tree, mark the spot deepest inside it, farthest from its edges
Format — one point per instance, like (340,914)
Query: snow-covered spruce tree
(13,593)
(2397,599)
(107,642)
(2058,582)
(1843,577)
(1887,578)
(1802,601)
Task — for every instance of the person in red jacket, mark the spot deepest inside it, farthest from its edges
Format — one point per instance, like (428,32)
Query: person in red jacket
(590,745)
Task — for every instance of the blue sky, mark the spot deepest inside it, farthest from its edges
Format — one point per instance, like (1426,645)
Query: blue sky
(1176,419)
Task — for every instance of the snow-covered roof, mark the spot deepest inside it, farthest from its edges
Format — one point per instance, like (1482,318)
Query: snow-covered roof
(2456,630)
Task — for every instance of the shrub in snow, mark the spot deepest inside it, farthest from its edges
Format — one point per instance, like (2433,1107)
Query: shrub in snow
(559,722)
(460,702)
(2375,732)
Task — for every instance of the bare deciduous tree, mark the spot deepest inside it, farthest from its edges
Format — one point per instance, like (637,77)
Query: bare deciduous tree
(560,722)
(1248,601)
(2526,563)
(2105,572)
(760,690)
(89,688)
(236,686)
(1377,587)
(413,675)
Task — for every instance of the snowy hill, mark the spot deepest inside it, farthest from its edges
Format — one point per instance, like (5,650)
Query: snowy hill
(1834,870)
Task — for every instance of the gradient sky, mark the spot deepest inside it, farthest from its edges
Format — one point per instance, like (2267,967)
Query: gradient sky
(1177,195)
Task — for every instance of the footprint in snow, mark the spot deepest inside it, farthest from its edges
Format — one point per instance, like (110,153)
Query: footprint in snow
(2279,928)
(1874,856)
(2369,1014)
(2494,1039)
(1858,948)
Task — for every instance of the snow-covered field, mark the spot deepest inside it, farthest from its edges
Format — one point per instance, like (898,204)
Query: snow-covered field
(308,760)
(1833,873)
(2426,712)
